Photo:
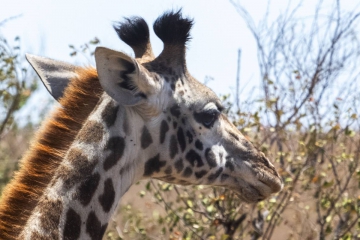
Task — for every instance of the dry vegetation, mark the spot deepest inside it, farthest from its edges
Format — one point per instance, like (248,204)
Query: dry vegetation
(305,118)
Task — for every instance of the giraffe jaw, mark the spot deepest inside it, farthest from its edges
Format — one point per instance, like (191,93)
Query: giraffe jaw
(254,185)
(252,194)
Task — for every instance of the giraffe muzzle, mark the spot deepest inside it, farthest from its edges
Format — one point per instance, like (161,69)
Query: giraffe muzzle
(256,178)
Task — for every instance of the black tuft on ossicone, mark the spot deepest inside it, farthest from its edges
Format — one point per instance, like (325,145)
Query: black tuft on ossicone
(172,28)
(133,31)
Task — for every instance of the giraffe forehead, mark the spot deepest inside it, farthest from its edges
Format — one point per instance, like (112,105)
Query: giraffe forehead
(180,82)
(192,95)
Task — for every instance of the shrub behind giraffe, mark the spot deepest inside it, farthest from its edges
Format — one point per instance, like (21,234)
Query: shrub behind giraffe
(16,86)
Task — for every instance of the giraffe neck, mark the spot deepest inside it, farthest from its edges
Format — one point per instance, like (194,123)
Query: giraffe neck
(98,169)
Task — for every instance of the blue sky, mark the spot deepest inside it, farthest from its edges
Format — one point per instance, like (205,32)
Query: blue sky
(47,27)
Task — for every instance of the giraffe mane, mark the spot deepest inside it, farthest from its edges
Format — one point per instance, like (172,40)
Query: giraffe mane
(52,141)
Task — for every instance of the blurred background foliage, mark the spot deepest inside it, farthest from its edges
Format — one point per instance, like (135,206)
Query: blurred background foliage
(305,118)
(16,86)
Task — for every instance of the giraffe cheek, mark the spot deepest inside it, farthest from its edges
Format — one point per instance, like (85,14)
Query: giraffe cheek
(210,158)
(200,174)
(173,147)
(153,165)
(194,158)
(179,165)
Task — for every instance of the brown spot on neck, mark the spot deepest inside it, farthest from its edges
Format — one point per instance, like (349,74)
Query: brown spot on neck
(126,126)
(50,216)
(72,228)
(91,133)
(82,167)
(109,114)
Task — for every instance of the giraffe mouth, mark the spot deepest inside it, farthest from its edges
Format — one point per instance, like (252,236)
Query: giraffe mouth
(254,185)
(259,175)
(274,183)
(249,193)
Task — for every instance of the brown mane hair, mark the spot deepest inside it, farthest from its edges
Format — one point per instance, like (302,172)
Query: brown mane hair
(47,151)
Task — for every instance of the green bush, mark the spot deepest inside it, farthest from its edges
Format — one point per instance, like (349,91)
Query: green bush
(16,86)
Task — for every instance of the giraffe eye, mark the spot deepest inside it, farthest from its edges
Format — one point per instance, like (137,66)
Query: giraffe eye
(207,118)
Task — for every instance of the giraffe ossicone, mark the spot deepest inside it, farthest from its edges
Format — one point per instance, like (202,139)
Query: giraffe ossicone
(135,118)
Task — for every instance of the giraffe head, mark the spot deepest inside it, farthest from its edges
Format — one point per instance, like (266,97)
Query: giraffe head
(177,122)
(186,137)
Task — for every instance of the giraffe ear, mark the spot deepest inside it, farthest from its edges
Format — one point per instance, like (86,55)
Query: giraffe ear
(55,75)
(119,76)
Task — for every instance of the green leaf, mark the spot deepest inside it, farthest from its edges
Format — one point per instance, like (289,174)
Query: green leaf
(210,209)
(95,41)
(327,184)
(148,186)
(225,237)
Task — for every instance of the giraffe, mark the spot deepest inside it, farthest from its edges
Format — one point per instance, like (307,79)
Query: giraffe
(132,118)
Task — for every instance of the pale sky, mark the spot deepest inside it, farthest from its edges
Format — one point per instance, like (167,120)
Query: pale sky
(47,27)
